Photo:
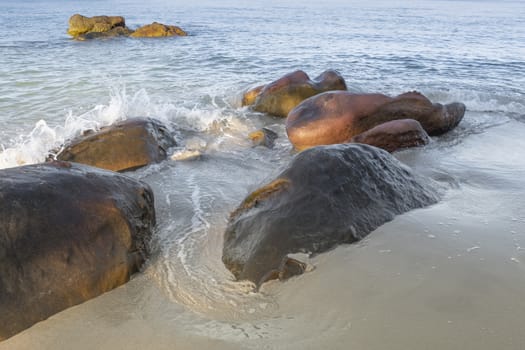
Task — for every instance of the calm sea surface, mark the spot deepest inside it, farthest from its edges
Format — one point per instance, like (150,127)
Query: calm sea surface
(450,276)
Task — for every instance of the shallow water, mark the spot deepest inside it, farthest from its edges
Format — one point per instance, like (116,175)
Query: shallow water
(447,276)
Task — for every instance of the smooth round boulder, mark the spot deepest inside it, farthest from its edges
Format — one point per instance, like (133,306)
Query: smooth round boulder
(282,95)
(79,25)
(394,135)
(336,117)
(157,30)
(126,145)
(328,195)
(68,233)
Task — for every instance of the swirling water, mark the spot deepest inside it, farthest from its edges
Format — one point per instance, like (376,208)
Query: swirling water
(448,276)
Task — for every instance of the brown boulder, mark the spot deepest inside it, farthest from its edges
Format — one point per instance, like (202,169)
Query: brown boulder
(68,233)
(79,24)
(117,31)
(156,30)
(394,135)
(337,116)
(282,95)
(127,145)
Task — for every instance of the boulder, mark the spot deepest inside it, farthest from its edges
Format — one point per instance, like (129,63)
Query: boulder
(156,30)
(117,31)
(68,233)
(337,116)
(80,25)
(394,135)
(279,97)
(328,195)
(126,145)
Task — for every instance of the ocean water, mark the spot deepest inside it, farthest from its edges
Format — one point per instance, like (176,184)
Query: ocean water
(450,276)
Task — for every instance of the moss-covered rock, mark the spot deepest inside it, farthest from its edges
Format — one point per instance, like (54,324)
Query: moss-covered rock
(81,25)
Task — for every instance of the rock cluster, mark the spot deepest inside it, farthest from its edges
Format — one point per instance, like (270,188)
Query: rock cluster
(73,228)
(82,28)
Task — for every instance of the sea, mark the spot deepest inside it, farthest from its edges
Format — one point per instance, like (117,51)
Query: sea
(449,276)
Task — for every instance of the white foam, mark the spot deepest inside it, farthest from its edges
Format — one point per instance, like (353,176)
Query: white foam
(35,146)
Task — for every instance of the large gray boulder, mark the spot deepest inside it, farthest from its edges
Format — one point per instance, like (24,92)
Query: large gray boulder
(68,233)
(328,195)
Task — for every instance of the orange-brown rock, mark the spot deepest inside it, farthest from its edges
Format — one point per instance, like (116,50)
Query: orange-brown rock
(336,117)
(127,145)
(68,233)
(282,95)
(394,135)
(249,97)
(156,30)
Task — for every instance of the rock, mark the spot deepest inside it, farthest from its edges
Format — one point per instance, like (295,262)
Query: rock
(394,135)
(263,137)
(282,95)
(328,195)
(68,233)
(249,97)
(156,30)
(117,31)
(186,154)
(79,25)
(336,117)
(127,145)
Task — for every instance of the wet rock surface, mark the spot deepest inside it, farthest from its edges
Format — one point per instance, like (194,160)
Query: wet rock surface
(328,195)
(68,233)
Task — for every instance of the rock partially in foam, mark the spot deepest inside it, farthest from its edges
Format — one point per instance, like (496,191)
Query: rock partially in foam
(127,145)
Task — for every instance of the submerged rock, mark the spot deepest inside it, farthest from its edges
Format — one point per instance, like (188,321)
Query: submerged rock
(117,31)
(394,135)
(156,30)
(328,195)
(336,117)
(68,233)
(80,25)
(283,94)
(127,145)
(263,137)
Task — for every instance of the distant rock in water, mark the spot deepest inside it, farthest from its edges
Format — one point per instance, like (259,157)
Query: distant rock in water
(282,95)
(157,30)
(82,28)
(328,195)
(127,145)
(68,233)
